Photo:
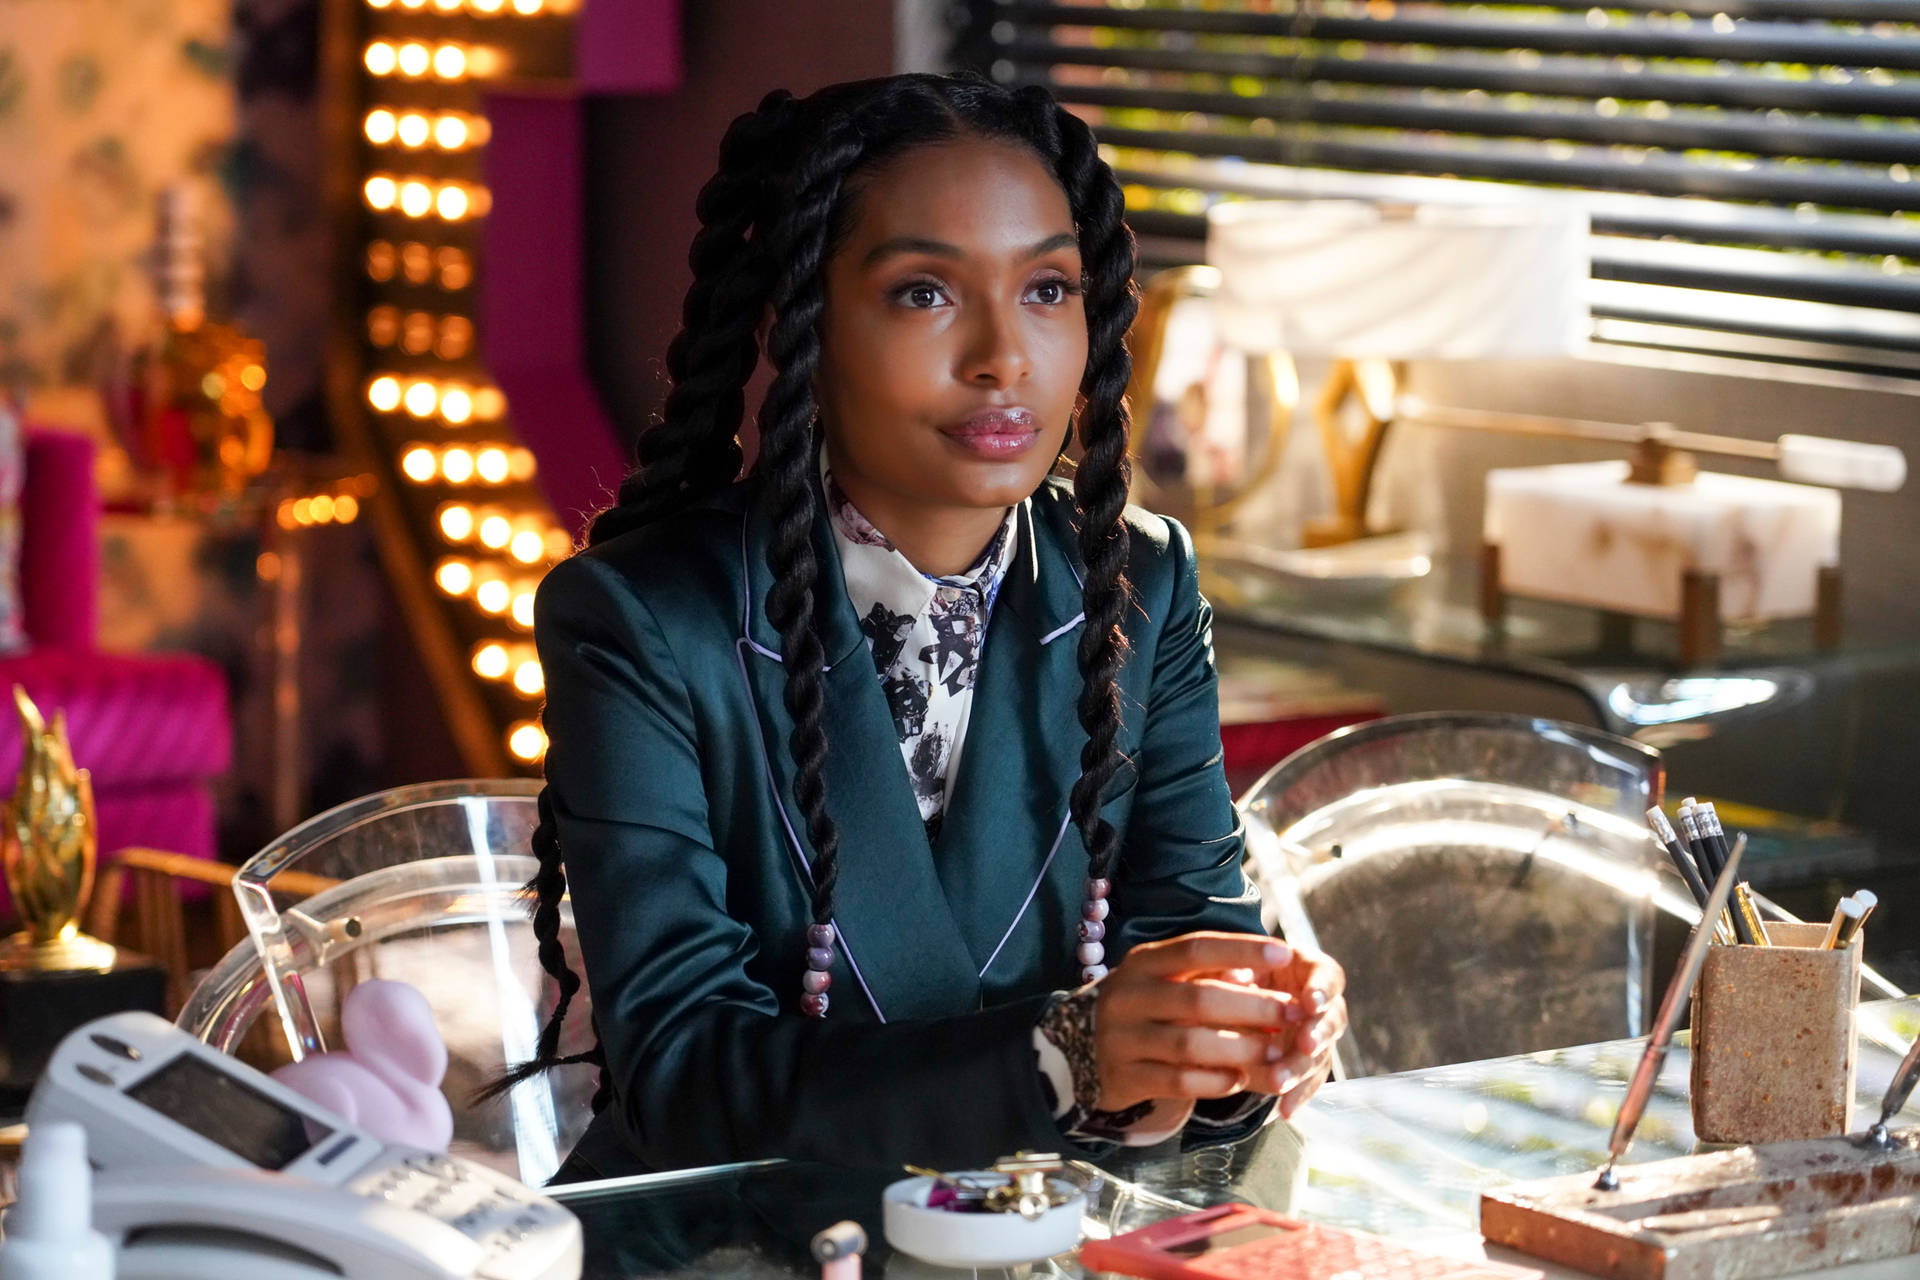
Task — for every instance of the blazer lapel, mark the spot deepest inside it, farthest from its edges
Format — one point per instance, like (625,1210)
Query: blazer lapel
(1005,829)
(899,935)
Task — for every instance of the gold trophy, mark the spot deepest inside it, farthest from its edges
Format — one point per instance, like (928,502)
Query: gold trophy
(54,978)
(47,844)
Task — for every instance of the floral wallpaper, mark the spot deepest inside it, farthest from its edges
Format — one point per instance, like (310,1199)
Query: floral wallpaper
(102,104)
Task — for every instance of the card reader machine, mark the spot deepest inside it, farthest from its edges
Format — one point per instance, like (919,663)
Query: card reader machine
(207,1168)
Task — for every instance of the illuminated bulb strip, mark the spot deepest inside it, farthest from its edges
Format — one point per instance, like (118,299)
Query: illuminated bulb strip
(420,197)
(456,404)
(517,664)
(458,464)
(447,130)
(527,741)
(321,508)
(448,61)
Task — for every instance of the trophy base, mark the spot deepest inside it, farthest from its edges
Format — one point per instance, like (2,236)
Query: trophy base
(39,1007)
(70,951)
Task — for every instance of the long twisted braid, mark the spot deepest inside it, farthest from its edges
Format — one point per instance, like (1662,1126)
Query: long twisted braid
(770,218)
(694,450)
(1101,481)
(793,348)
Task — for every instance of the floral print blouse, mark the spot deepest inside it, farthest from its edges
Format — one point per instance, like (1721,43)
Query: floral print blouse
(926,634)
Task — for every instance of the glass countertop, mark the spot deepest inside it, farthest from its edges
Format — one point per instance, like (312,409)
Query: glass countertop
(1630,671)
(1404,1156)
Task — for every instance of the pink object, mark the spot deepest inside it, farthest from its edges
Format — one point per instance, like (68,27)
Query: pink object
(59,541)
(387,1079)
(153,729)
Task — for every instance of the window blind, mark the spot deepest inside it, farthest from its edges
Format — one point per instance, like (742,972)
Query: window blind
(1750,165)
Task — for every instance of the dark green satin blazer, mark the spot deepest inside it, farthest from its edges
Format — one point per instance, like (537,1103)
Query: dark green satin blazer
(688,864)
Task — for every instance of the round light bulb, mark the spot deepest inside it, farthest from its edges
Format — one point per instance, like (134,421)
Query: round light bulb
(383,326)
(449,62)
(346,508)
(523,610)
(528,546)
(527,678)
(454,577)
(420,399)
(492,465)
(380,127)
(526,741)
(456,406)
(489,403)
(418,464)
(495,531)
(457,466)
(452,203)
(381,58)
(493,596)
(487,6)
(412,129)
(456,522)
(415,199)
(414,59)
(450,132)
(527,8)
(383,393)
(322,508)
(381,191)
(558,544)
(491,661)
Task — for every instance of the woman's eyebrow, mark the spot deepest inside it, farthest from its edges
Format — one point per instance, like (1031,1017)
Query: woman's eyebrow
(940,248)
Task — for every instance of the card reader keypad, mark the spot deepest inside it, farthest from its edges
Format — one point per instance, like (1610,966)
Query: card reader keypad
(495,1213)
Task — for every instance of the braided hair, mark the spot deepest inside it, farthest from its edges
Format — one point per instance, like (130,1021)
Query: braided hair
(770,218)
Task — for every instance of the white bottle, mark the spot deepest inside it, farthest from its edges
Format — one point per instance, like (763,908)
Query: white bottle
(50,1233)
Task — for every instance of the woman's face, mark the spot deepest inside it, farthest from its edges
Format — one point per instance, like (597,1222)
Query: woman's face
(953,336)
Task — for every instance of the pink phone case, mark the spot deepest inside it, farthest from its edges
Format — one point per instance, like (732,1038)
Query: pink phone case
(1239,1242)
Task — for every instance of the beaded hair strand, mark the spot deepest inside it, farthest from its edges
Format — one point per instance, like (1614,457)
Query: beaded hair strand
(766,234)
(1099,491)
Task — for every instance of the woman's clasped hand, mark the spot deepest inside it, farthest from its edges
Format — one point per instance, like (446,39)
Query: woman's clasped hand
(1208,1015)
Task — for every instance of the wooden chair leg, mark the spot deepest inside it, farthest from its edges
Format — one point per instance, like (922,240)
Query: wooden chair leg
(1699,617)
(1493,599)
(226,920)
(165,930)
(103,913)
(1826,615)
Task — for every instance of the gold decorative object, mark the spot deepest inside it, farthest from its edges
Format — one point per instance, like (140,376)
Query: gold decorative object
(1352,449)
(47,846)
(1272,392)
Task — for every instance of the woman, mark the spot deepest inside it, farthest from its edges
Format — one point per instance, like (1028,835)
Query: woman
(887,782)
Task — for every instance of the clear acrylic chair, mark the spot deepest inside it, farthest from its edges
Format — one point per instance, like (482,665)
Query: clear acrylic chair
(428,894)
(1487,881)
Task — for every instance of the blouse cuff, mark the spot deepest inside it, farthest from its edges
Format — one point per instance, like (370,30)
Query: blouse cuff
(1063,1050)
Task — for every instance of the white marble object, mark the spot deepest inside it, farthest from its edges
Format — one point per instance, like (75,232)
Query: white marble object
(1581,534)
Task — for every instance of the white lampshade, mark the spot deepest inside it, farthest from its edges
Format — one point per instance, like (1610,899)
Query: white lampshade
(1352,279)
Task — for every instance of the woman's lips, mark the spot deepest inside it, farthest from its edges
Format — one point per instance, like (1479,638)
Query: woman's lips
(994,433)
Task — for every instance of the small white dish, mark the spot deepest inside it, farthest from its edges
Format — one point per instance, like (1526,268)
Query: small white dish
(949,1239)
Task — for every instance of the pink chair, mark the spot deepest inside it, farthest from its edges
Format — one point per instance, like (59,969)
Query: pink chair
(152,728)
